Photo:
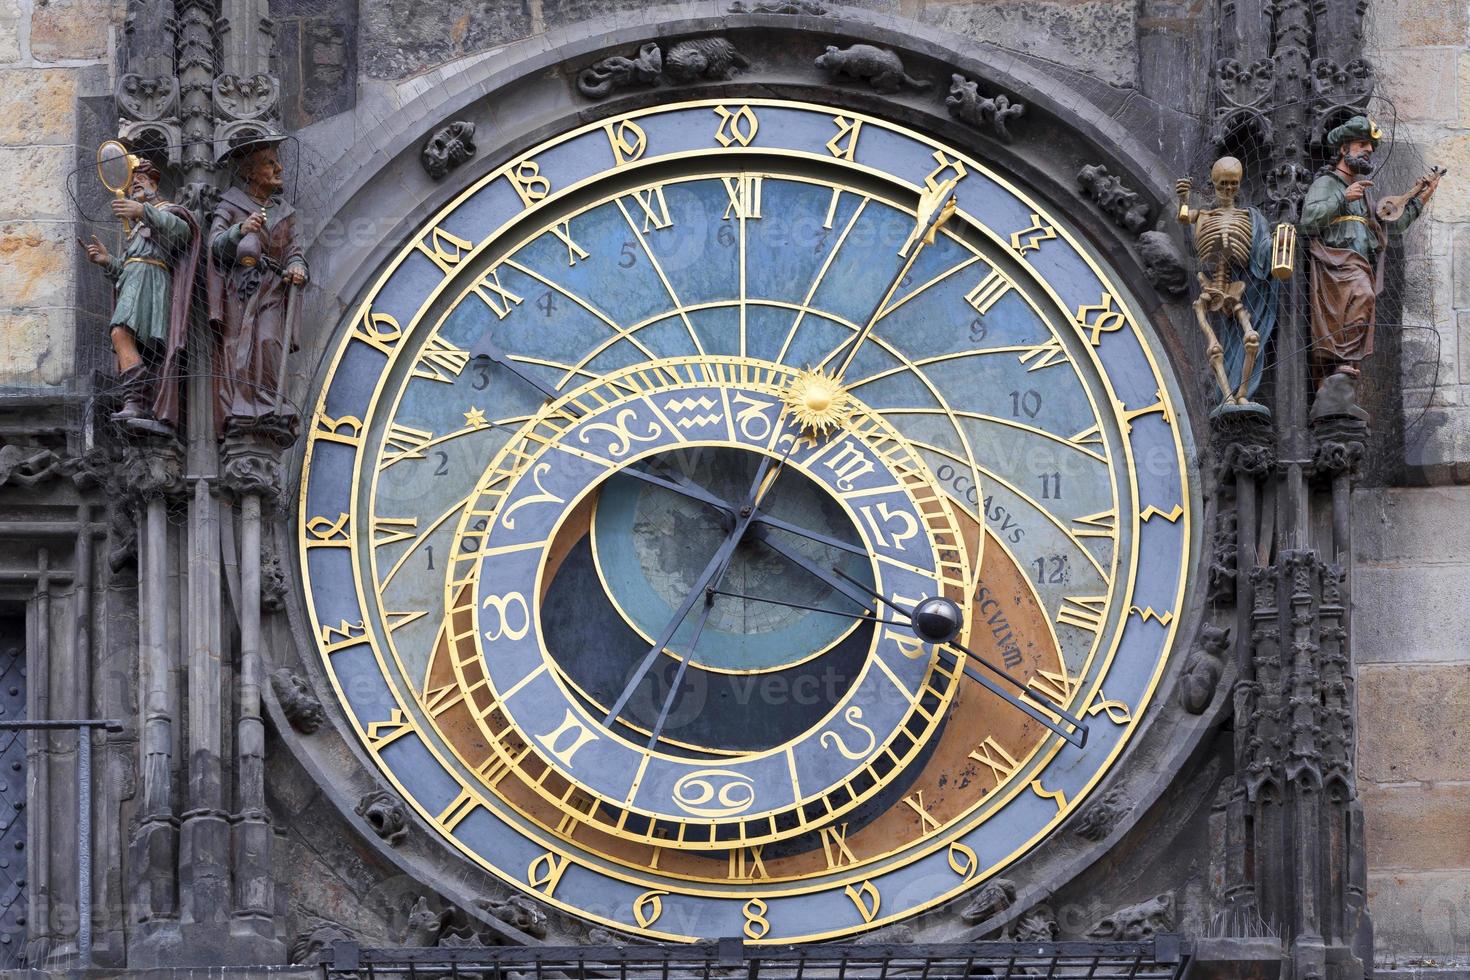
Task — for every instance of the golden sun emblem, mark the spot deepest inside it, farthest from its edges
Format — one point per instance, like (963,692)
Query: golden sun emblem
(817,401)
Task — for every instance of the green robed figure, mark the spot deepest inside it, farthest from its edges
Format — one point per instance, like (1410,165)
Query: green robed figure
(1347,249)
(153,283)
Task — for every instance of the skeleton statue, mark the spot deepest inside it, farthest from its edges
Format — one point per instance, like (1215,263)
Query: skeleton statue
(1233,246)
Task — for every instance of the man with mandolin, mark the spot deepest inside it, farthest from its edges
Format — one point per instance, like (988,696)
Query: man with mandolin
(1349,234)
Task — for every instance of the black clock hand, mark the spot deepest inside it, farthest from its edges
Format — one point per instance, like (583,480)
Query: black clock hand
(799,605)
(683,485)
(485,347)
(801,561)
(678,681)
(935,208)
(764,478)
(1078,733)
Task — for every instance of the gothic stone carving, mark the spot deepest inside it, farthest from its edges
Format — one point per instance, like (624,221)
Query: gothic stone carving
(153,467)
(253,97)
(1224,547)
(1127,208)
(251,465)
(1340,442)
(298,703)
(810,7)
(993,898)
(1038,924)
(1137,922)
(1163,263)
(968,106)
(143,99)
(314,946)
(424,924)
(1244,92)
(1100,817)
(705,58)
(1340,90)
(619,72)
(1245,444)
(879,67)
(26,466)
(518,911)
(450,146)
(1202,670)
(385,814)
(700,59)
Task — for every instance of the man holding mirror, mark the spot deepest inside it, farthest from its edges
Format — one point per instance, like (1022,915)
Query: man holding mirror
(153,282)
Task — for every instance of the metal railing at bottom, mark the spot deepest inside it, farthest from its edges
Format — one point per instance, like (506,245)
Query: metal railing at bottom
(1162,957)
(83,728)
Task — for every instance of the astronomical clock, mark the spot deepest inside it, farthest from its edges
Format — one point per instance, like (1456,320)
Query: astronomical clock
(745,518)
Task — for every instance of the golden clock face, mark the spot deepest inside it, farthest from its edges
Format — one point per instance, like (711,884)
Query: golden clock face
(700,546)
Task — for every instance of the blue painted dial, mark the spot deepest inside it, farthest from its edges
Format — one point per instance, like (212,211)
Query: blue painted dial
(559,662)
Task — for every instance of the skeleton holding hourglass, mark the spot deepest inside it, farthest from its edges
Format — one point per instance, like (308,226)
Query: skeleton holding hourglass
(1238,278)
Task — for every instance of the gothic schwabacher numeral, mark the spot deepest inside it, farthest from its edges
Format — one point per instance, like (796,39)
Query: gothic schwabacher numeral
(1029,239)
(834,846)
(440,361)
(404,442)
(1095,319)
(1103,524)
(843,146)
(346,429)
(345,634)
(867,899)
(530,186)
(655,209)
(1083,612)
(444,249)
(563,233)
(988,291)
(326,532)
(739,126)
(380,331)
(380,734)
(387,530)
(627,139)
(946,168)
(746,862)
(1044,355)
(991,753)
(544,873)
(497,297)
(744,193)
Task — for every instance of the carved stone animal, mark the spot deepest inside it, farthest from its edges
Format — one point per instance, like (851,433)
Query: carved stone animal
(385,814)
(879,67)
(298,703)
(1137,922)
(1163,263)
(968,106)
(709,58)
(519,912)
(449,147)
(1202,670)
(993,898)
(1127,209)
(619,72)
(424,924)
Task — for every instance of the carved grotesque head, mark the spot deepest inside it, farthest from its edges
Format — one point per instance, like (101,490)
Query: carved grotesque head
(1225,175)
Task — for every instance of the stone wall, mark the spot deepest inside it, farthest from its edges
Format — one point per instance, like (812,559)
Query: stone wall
(51,55)
(1419,48)
(1411,620)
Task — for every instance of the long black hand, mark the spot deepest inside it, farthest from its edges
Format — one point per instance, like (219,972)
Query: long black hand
(1077,734)
(712,571)
(485,347)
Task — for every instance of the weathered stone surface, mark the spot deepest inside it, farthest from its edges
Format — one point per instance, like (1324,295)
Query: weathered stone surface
(38,348)
(1411,524)
(39,188)
(35,263)
(68,30)
(1421,82)
(1096,37)
(10,21)
(1452,199)
(1411,612)
(1419,915)
(37,106)
(1414,22)
(1419,828)
(404,37)
(1412,722)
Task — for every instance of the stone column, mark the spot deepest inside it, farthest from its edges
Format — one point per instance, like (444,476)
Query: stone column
(153,470)
(252,474)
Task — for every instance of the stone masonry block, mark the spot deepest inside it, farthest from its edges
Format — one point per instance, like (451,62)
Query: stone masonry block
(1413,23)
(1412,722)
(37,348)
(1411,612)
(40,174)
(11,17)
(36,263)
(1421,82)
(1097,37)
(1418,828)
(1419,915)
(37,106)
(1411,525)
(71,30)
